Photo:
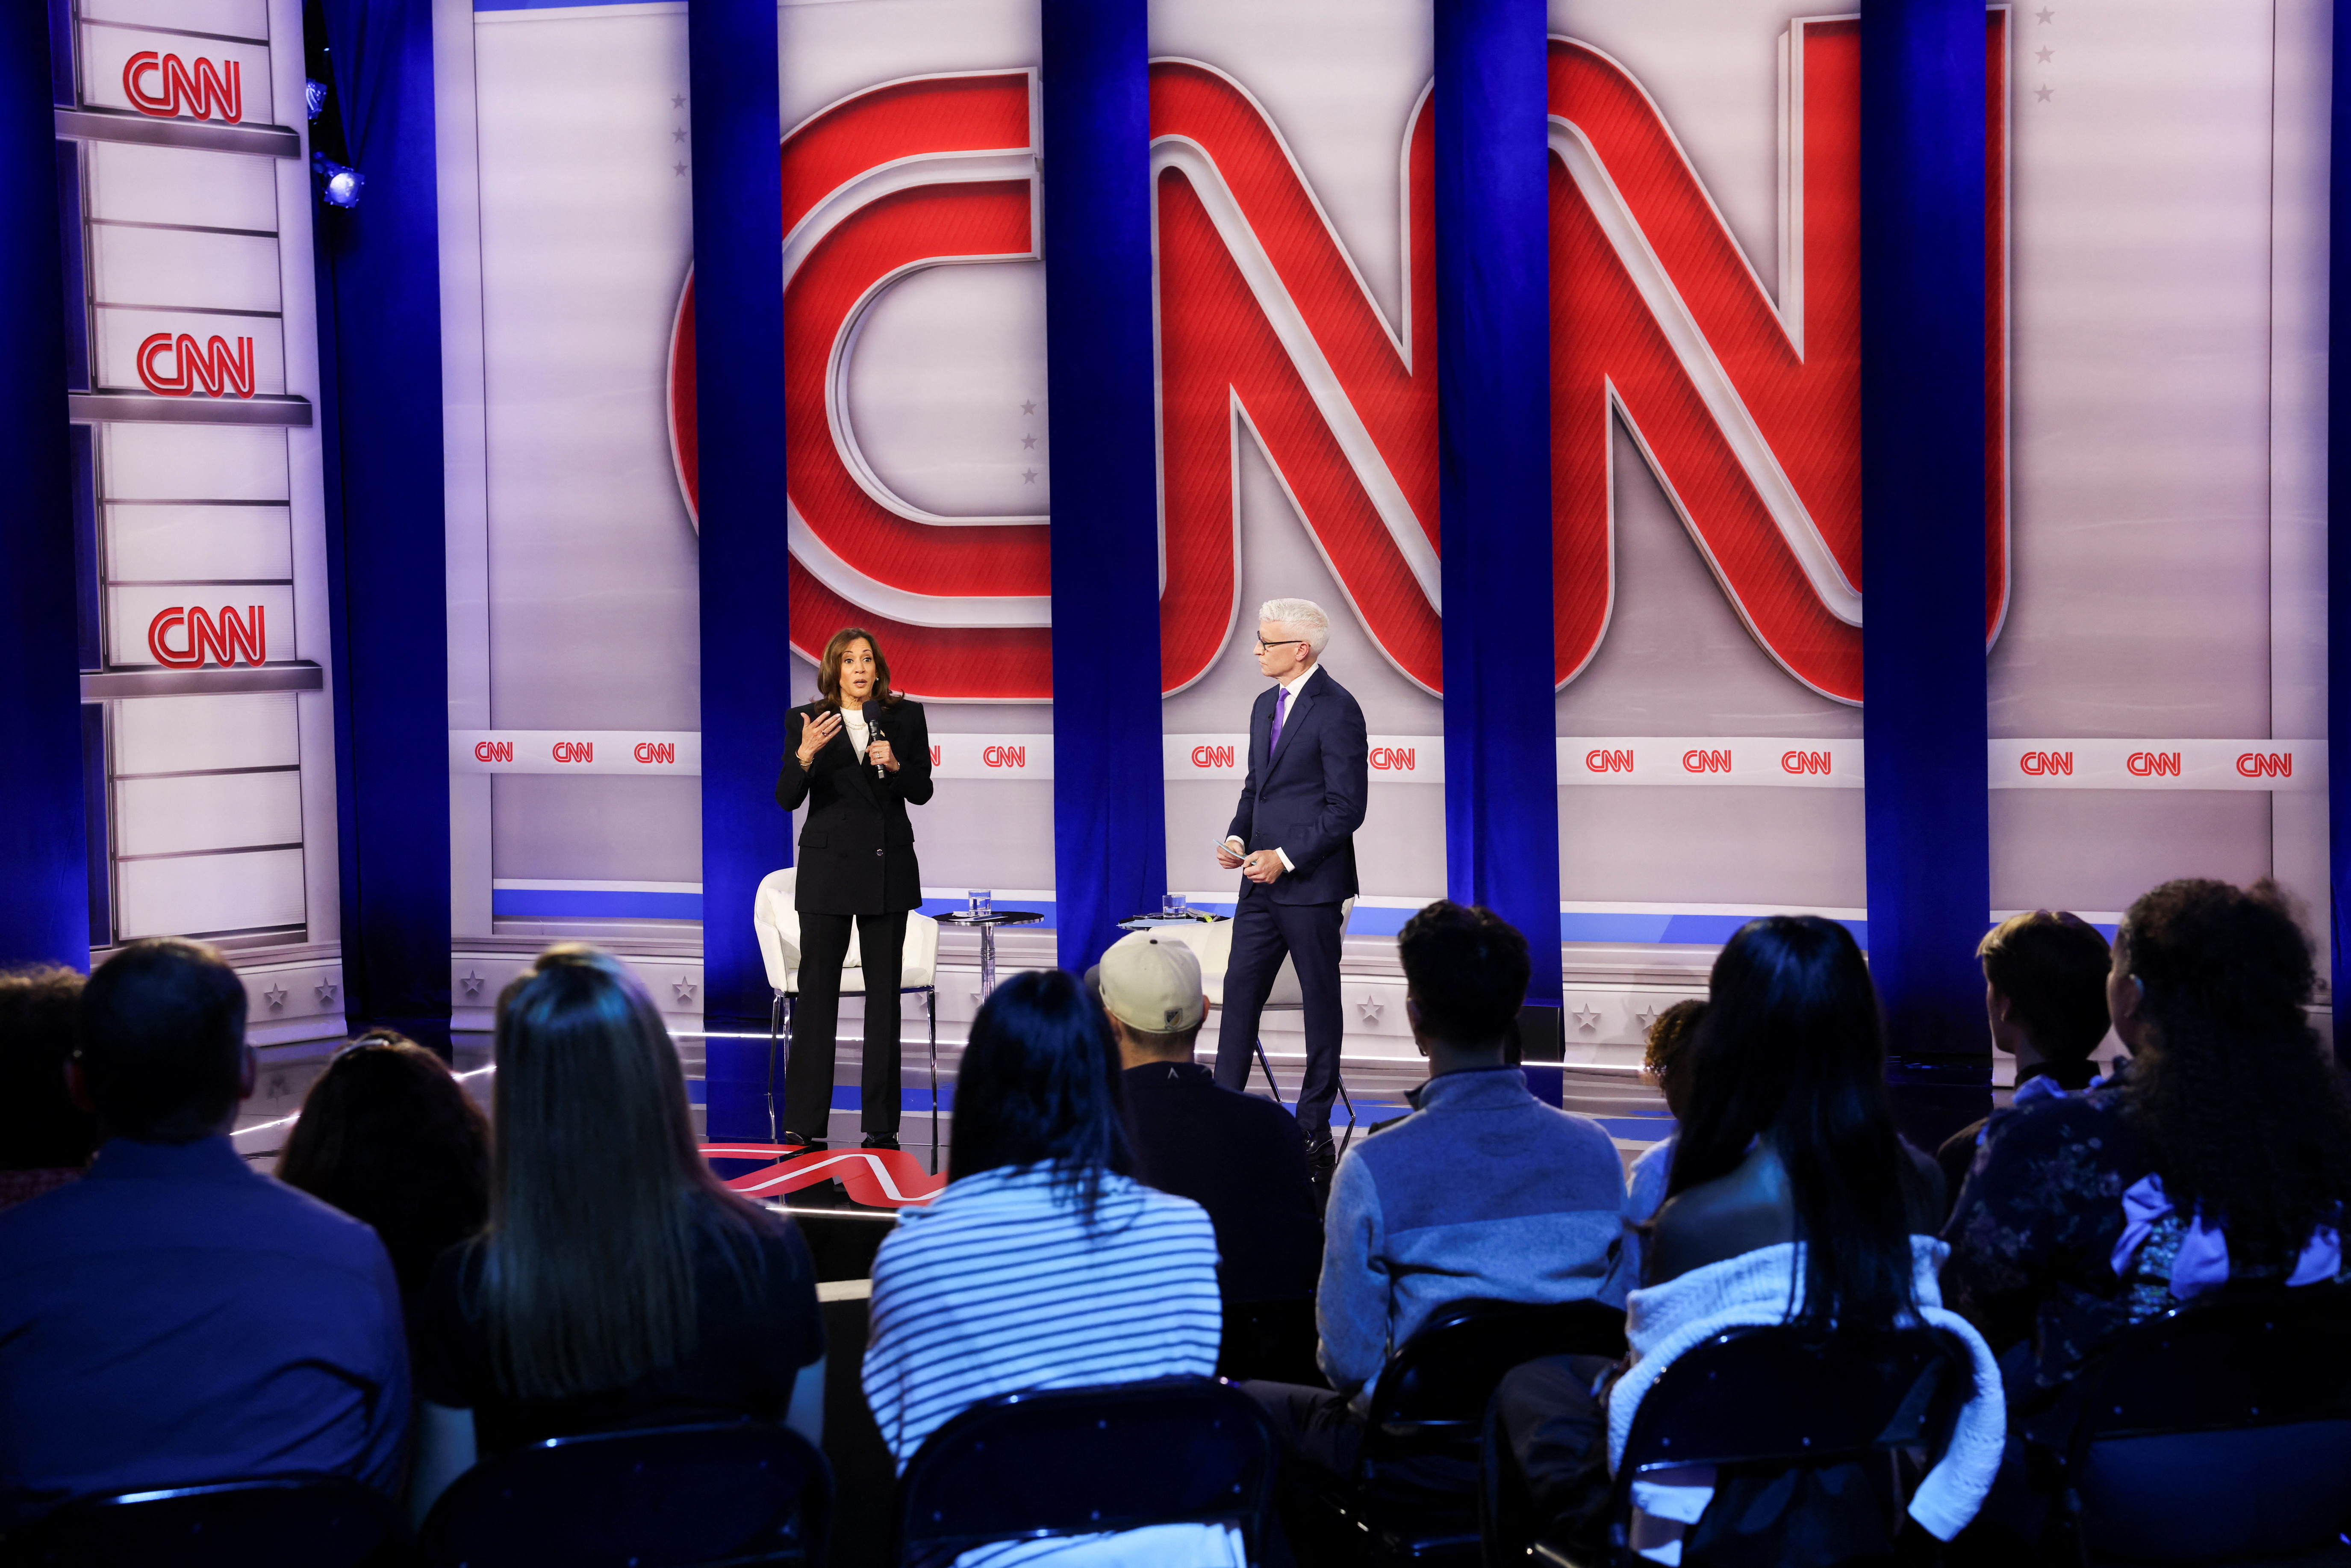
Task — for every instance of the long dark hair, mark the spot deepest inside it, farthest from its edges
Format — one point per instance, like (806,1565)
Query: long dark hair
(1790,1051)
(1039,1085)
(597,1187)
(2233,1095)
(827,668)
(388,1135)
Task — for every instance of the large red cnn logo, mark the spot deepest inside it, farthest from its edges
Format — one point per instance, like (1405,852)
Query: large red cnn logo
(1747,406)
(166,85)
(184,637)
(216,367)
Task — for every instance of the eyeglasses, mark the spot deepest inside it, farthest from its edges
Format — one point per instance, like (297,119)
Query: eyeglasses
(1263,644)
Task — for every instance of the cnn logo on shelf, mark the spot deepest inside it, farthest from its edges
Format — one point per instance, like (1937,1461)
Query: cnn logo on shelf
(221,371)
(200,91)
(1222,756)
(202,636)
(1012,756)
(1395,758)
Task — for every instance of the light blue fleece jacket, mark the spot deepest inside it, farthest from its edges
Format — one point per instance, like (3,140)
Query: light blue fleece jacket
(1483,1191)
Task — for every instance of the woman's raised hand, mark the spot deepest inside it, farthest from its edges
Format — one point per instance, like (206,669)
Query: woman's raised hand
(816,735)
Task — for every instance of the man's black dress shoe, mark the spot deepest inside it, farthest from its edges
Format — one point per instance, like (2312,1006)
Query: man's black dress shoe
(1321,1153)
(801,1143)
(880,1141)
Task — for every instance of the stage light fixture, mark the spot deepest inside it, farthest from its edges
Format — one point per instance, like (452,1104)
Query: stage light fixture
(314,98)
(339,184)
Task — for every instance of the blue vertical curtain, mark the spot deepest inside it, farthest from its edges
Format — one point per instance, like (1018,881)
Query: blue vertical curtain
(1109,836)
(735,114)
(1493,368)
(2338,513)
(43,858)
(380,363)
(1922,475)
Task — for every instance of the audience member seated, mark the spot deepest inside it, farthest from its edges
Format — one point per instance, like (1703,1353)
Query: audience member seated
(46,1140)
(2220,1152)
(1235,1156)
(389,1135)
(1665,1064)
(1482,1191)
(176,1317)
(617,1284)
(1787,1134)
(2046,995)
(1043,1263)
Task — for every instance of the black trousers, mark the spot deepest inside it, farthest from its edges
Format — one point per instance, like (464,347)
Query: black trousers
(1265,932)
(816,1021)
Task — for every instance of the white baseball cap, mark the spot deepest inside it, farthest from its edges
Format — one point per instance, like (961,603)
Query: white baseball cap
(1152,985)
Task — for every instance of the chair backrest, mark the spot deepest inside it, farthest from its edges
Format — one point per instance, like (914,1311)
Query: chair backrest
(1211,942)
(328,1521)
(1790,1394)
(2219,1432)
(777,925)
(1432,1394)
(734,1492)
(1074,1461)
(919,960)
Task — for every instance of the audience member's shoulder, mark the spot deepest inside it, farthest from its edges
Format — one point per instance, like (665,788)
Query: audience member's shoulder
(2048,1123)
(1581,1134)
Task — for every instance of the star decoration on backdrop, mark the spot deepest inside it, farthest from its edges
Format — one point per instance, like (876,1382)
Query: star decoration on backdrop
(678,169)
(1028,440)
(678,135)
(2046,15)
(274,996)
(1371,1007)
(1027,475)
(2043,54)
(1586,1017)
(1648,1017)
(677,101)
(2044,93)
(278,1087)
(326,991)
(1027,408)
(684,987)
(472,982)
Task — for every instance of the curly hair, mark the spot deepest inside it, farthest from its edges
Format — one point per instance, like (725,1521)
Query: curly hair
(2239,1105)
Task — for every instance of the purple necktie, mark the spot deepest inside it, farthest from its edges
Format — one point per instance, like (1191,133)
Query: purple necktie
(1281,701)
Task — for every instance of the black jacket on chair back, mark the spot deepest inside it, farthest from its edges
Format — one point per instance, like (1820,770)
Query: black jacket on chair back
(857,848)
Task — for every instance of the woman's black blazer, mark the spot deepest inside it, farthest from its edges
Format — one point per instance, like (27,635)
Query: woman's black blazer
(857,848)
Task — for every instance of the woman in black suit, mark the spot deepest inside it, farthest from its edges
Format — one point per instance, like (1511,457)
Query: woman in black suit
(859,756)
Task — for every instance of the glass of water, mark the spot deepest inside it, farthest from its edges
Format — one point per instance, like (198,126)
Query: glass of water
(1174,903)
(981,900)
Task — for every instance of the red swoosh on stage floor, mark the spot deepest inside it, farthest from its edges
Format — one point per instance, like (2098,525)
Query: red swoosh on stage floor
(878,1178)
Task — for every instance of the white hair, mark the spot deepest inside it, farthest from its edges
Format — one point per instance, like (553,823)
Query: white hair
(1302,616)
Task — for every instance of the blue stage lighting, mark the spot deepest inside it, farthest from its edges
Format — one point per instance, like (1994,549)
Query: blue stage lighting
(314,96)
(339,184)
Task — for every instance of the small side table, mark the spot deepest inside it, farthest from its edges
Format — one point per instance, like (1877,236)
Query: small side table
(987,925)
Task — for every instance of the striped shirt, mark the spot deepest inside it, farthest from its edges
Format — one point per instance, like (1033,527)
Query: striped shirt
(1000,1286)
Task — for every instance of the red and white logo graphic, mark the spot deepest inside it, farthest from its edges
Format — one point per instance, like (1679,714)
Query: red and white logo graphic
(219,369)
(166,85)
(200,637)
(1747,407)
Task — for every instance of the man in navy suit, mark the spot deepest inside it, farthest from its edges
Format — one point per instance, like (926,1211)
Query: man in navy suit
(1293,840)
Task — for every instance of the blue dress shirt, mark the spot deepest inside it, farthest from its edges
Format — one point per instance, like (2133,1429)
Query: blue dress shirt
(176,1318)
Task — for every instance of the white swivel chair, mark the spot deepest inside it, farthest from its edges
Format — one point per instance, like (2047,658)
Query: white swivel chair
(779,928)
(1212,944)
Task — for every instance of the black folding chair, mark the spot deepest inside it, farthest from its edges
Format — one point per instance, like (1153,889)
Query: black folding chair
(667,1497)
(2217,1433)
(1273,1338)
(319,1522)
(1412,1496)
(1766,1403)
(1078,1461)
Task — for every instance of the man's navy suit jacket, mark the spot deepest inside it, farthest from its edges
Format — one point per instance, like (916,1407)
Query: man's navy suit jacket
(1308,796)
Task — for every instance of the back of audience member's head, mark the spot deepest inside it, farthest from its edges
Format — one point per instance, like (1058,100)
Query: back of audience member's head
(1152,993)
(597,1186)
(1039,1086)
(2230,1086)
(1790,1052)
(2051,966)
(388,1135)
(1667,1056)
(1465,971)
(40,1127)
(163,1055)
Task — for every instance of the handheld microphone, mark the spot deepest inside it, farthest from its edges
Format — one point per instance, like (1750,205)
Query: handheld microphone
(873,711)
